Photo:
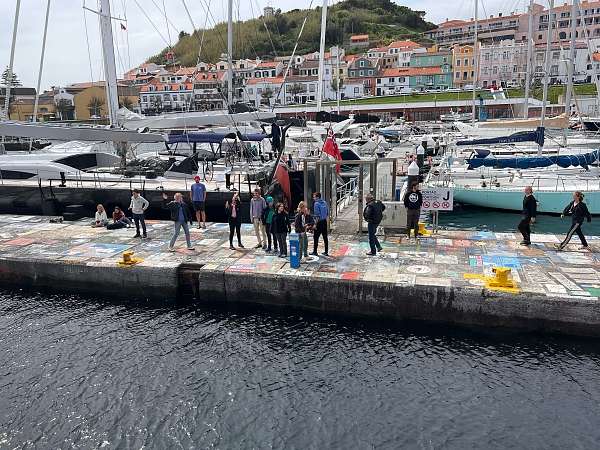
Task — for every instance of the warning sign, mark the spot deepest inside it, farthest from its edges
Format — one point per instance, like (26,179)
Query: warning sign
(438,199)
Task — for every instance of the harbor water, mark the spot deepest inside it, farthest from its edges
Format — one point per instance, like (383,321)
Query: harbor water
(90,373)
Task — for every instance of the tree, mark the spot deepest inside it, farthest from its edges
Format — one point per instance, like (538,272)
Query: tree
(64,108)
(334,84)
(295,90)
(267,95)
(5,78)
(95,106)
(126,102)
(156,103)
(182,34)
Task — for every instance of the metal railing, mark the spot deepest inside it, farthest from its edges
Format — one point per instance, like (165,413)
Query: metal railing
(346,194)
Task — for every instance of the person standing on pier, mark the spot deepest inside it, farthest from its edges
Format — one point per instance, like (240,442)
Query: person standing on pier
(413,199)
(268,215)
(234,218)
(198,197)
(138,207)
(579,212)
(257,207)
(303,223)
(529,213)
(321,216)
(281,224)
(181,216)
(373,215)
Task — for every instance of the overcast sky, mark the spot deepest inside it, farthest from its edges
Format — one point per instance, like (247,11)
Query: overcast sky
(67,58)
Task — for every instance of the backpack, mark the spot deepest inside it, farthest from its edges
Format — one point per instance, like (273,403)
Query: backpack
(264,215)
(377,212)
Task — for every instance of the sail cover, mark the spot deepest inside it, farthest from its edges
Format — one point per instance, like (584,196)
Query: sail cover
(212,137)
(583,160)
(536,136)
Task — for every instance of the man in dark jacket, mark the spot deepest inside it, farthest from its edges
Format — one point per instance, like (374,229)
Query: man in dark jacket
(413,199)
(181,216)
(529,213)
(373,214)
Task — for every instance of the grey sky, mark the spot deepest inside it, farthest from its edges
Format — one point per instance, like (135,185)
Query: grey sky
(67,53)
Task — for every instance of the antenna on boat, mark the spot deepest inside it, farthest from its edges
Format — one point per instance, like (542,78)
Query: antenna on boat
(321,55)
(476,58)
(546,70)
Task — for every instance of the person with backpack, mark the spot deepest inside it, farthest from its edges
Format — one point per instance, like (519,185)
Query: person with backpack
(413,199)
(578,212)
(281,224)
(267,220)
(303,223)
(373,215)
(181,216)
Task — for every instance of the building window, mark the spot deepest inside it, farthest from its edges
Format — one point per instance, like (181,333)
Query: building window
(144,98)
(250,91)
(458,63)
(356,90)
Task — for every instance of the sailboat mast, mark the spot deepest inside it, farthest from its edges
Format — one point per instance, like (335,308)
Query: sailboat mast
(571,59)
(39,80)
(546,68)
(529,59)
(476,58)
(10,64)
(230,52)
(108,54)
(322,55)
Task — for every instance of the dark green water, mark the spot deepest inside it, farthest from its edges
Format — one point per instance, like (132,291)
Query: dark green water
(470,218)
(78,372)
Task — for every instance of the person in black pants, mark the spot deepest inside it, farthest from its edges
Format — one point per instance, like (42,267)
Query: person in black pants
(413,199)
(321,216)
(529,213)
(234,218)
(373,215)
(281,226)
(579,212)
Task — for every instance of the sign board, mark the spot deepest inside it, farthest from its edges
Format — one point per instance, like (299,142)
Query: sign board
(438,199)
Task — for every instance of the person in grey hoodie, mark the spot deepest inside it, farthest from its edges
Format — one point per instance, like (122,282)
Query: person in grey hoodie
(257,207)
(138,207)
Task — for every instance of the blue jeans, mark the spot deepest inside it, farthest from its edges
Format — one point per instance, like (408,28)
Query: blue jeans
(373,241)
(186,230)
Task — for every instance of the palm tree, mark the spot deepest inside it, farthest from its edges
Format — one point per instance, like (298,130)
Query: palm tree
(267,95)
(296,89)
(95,106)
(64,108)
(126,102)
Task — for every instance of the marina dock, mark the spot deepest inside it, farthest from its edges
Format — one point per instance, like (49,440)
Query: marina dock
(442,279)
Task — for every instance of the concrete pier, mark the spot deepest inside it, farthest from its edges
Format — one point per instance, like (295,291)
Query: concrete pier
(440,280)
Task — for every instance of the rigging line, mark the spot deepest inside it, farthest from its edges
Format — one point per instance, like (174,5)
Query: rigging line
(167,22)
(87,40)
(287,69)
(202,37)
(277,29)
(126,33)
(151,22)
(208,11)
(160,10)
(116,45)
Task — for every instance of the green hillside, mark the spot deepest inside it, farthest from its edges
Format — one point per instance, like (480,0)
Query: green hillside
(383,20)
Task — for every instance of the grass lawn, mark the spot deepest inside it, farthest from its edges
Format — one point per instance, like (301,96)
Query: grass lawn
(553,94)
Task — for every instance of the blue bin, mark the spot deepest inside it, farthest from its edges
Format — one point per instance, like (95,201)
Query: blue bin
(294,250)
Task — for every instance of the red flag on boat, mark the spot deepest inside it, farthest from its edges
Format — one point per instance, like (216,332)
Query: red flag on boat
(331,149)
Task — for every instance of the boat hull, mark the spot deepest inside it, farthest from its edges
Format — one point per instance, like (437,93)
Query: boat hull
(549,202)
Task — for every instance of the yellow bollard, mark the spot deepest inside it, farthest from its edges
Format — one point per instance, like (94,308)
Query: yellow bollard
(128,259)
(501,281)
(422,230)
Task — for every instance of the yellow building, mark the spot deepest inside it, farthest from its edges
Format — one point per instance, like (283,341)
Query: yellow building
(463,64)
(89,99)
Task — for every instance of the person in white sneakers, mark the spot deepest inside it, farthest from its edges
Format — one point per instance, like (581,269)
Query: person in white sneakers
(138,207)
(181,216)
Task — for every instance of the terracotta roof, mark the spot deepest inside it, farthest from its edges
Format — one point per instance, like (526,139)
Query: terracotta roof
(186,71)
(379,49)
(359,37)
(596,56)
(395,72)
(268,64)
(455,23)
(404,44)
(272,80)
(416,71)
